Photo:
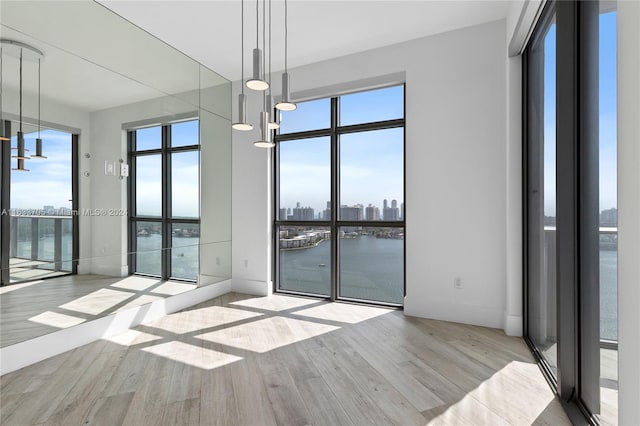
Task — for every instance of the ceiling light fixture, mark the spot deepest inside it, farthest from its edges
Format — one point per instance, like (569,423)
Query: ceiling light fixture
(257,82)
(266,140)
(38,139)
(285,103)
(20,154)
(242,123)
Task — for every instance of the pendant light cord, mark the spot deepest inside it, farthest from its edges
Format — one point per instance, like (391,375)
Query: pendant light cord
(39,98)
(20,90)
(286,36)
(264,46)
(242,45)
(269,46)
(257,24)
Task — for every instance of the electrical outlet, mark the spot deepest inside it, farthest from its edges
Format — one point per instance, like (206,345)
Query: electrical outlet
(246,263)
(218,261)
(457,283)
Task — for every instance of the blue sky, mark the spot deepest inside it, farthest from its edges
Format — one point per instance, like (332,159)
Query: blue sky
(371,162)
(608,114)
(49,180)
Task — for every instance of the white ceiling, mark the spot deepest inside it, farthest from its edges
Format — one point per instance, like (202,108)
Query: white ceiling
(209,31)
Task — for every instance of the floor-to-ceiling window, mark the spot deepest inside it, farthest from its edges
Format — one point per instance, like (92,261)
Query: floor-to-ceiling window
(340,197)
(164,200)
(570,202)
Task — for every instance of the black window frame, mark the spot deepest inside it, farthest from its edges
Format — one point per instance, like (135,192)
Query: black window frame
(165,219)
(577,193)
(335,223)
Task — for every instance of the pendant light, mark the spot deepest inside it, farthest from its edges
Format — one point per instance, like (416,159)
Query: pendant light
(242,98)
(38,139)
(265,132)
(257,82)
(20,148)
(285,103)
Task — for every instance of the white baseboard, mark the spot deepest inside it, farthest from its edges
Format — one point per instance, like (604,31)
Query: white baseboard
(513,325)
(252,287)
(22,354)
(447,311)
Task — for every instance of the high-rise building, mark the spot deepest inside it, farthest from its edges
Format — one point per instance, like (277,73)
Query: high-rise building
(372,212)
(394,204)
(384,204)
(609,217)
(283,214)
(352,212)
(302,213)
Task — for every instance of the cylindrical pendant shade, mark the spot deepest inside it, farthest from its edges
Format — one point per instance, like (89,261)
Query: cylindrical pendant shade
(20,167)
(38,149)
(273,124)
(285,104)
(20,155)
(265,133)
(242,124)
(256,82)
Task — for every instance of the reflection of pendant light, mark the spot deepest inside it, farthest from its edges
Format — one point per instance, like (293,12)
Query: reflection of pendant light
(20,154)
(242,98)
(257,81)
(38,139)
(285,103)
(2,137)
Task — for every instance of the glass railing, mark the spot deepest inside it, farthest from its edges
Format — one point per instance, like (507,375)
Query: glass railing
(41,242)
(608,280)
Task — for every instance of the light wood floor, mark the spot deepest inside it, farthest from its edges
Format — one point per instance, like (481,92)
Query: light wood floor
(36,308)
(284,360)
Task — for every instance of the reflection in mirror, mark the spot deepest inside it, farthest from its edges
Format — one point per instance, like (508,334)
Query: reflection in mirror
(70,224)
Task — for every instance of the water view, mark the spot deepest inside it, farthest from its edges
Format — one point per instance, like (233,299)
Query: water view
(371,268)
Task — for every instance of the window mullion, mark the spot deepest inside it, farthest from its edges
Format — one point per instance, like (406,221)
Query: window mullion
(335,197)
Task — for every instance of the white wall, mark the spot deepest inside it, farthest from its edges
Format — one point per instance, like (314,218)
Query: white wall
(456,170)
(629,212)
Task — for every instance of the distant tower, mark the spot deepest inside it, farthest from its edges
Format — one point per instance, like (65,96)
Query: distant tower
(394,204)
(384,204)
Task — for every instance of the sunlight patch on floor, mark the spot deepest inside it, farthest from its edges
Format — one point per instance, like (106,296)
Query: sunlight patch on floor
(344,312)
(267,334)
(57,320)
(98,301)
(135,283)
(501,392)
(132,337)
(195,356)
(275,302)
(202,319)
(171,288)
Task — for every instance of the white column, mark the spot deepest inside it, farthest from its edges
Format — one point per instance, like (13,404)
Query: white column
(513,306)
(629,212)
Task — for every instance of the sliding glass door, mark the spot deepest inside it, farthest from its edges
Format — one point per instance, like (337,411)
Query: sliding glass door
(571,224)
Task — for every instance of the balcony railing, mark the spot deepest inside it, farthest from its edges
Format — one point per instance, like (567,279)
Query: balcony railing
(608,280)
(45,240)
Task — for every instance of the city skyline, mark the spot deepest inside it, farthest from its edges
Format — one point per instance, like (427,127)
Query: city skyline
(358,211)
